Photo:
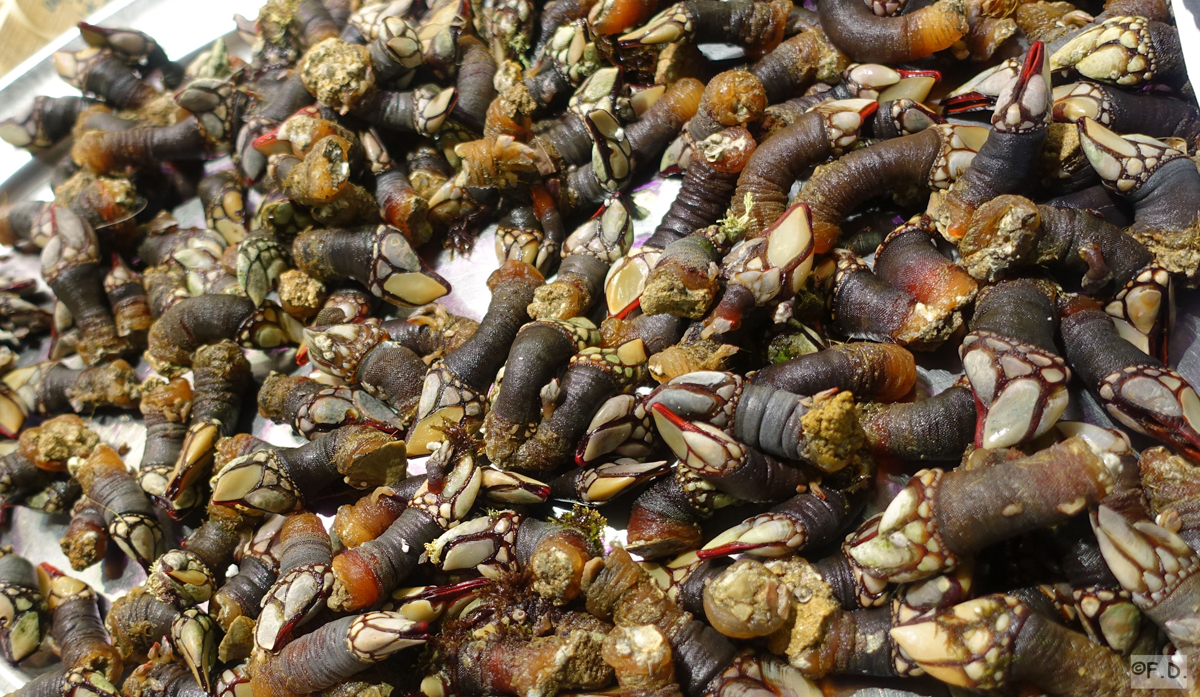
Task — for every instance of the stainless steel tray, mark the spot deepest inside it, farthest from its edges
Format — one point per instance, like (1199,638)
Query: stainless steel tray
(185,29)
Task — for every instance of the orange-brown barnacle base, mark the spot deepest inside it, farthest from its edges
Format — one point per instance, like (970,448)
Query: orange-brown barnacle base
(607,17)
(356,581)
(1000,236)
(908,259)
(513,664)
(870,371)
(641,657)
(865,307)
(731,98)
(366,573)
(367,518)
(85,541)
(685,281)
(115,151)
(855,29)
(665,519)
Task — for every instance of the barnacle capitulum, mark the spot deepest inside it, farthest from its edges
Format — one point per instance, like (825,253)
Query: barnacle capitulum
(305,581)
(130,517)
(23,611)
(1126,112)
(368,572)
(1002,628)
(45,122)
(379,257)
(455,386)
(281,480)
(922,531)
(1136,389)
(772,266)
(758,28)
(260,263)
(75,682)
(1012,362)
(1156,566)
(1162,184)
(224,201)
(1126,50)
(193,634)
(621,426)
(602,482)
(101,71)
(76,624)
(313,408)
(136,48)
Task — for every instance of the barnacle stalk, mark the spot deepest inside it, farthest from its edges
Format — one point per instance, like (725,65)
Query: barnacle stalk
(923,531)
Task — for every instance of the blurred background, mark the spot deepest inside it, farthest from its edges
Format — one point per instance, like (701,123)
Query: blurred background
(28,25)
